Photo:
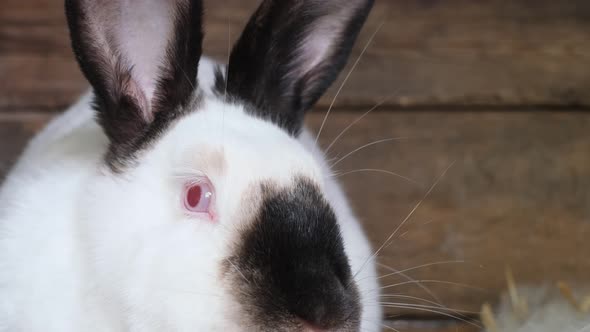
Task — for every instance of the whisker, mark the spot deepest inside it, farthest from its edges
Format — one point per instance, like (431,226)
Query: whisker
(437,312)
(428,222)
(238,270)
(402,274)
(353,123)
(376,170)
(391,328)
(436,282)
(228,56)
(346,79)
(415,267)
(419,284)
(456,311)
(366,146)
(414,298)
(226,83)
(386,242)
(436,182)
(186,77)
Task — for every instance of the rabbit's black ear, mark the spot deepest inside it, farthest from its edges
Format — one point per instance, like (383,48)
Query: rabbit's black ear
(290,52)
(141,58)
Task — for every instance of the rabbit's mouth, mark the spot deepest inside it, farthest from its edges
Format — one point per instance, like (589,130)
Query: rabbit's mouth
(290,271)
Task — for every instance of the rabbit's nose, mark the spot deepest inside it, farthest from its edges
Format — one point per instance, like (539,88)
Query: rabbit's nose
(320,295)
(294,267)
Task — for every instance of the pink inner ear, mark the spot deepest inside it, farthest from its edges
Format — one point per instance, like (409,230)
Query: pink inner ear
(137,32)
(322,36)
(144,29)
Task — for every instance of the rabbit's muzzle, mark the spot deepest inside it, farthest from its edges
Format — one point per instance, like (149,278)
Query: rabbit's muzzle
(290,272)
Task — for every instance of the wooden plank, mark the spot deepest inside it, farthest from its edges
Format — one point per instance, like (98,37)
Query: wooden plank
(456,52)
(517,195)
(40,83)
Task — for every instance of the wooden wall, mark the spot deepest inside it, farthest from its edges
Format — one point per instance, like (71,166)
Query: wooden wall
(497,88)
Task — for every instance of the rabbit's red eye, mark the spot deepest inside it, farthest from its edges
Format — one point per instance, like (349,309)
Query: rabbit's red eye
(198,197)
(193,196)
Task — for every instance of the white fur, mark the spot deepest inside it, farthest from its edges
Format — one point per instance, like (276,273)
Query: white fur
(84,250)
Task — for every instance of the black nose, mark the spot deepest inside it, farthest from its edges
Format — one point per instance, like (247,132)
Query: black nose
(292,263)
(320,297)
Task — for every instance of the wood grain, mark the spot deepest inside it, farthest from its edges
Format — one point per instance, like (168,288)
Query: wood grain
(517,195)
(428,52)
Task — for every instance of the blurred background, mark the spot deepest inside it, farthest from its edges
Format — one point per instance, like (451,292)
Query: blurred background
(484,102)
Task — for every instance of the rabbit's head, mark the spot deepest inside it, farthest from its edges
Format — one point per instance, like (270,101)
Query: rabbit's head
(209,213)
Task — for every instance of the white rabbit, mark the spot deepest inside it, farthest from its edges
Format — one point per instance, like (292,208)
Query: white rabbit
(181,196)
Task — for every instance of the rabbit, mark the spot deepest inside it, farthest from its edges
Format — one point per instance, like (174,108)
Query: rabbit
(180,194)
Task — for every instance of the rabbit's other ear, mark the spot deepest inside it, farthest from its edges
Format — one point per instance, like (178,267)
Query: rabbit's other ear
(141,58)
(290,52)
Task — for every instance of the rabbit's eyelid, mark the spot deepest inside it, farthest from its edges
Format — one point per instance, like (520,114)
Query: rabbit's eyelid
(188,173)
(193,181)
(191,178)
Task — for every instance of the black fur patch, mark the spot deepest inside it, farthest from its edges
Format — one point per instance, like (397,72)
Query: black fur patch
(264,63)
(290,265)
(120,104)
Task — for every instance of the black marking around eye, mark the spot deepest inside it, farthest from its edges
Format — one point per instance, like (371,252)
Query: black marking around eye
(292,265)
